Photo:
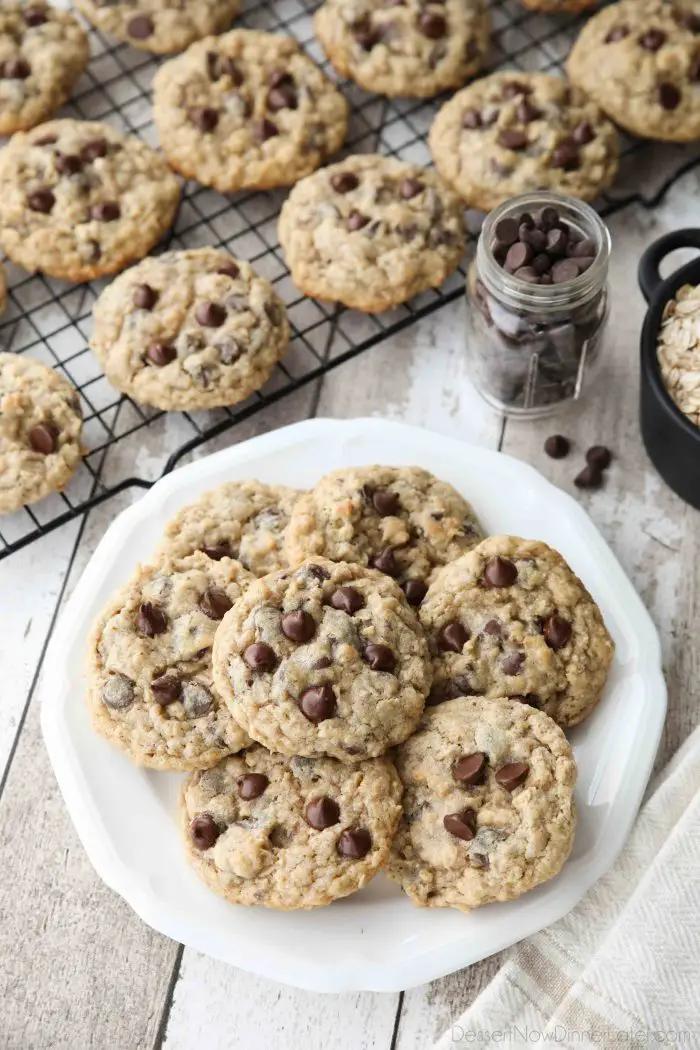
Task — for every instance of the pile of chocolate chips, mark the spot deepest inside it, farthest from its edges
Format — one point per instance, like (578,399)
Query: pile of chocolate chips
(541,248)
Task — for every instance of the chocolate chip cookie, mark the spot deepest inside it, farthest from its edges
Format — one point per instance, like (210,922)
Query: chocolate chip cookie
(187,330)
(43,52)
(400,520)
(289,833)
(511,133)
(371,232)
(324,659)
(640,61)
(247,110)
(409,48)
(488,810)
(40,427)
(160,26)
(510,618)
(246,520)
(150,687)
(79,200)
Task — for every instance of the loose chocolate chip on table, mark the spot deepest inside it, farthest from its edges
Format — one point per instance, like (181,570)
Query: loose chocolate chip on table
(669,96)
(500,572)
(260,656)
(513,663)
(410,188)
(161,354)
(385,562)
(282,97)
(144,297)
(203,117)
(16,69)
(557,446)
(583,133)
(519,255)
(43,438)
(470,769)
(150,620)
(355,843)
(203,831)
(512,138)
(461,825)
(215,603)
(347,599)
(431,25)
(41,200)
(317,703)
(35,16)
(599,456)
(217,551)
(118,692)
(68,164)
(356,220)
(618,33)
(251,785)
(652,39)
(94,149)
(556,631)
(298,626)
(415,591)
(591,477)
(166,689)
(344,181)
(107,211)
(385,502)
(322,813)
(512,775)
(452,637)
(210,315)
(140,27)
(471,119)
(565,270)
(379,657)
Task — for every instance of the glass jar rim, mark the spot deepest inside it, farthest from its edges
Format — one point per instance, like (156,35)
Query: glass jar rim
(544,296)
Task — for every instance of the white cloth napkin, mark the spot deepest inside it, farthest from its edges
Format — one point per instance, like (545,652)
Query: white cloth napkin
(622,970)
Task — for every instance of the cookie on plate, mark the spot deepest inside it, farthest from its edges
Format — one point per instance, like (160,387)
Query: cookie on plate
(190,329)
(408,49)
(324,659)
(79,200)
(43,53)
(289,833)
(159,26)
(640,61)
(488,810)
(400,520)
(511,133)
(510,618)
(246,520)
(371,232)
(40,427)
(247,110)
(150,687)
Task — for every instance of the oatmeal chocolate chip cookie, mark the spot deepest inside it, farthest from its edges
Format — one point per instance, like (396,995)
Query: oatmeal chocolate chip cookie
(246,520)
(324,659)
(150,686)
(510,618)
(80,200)
(43,52)
(190,329)
(511,133)
(247,110)
(40,426)
(400,520)
(160,26)
(287,833)
(488,810)
(405,48)
(371,232)
(640,61)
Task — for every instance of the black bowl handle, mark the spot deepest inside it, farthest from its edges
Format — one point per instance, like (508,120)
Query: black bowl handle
(648,274)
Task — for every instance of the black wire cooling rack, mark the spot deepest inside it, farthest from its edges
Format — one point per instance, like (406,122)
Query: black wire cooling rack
(51,320)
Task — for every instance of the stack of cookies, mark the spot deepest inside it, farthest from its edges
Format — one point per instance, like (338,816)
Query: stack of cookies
(356,680)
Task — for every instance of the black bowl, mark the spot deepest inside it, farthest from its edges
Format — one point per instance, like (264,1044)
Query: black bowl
(671,440)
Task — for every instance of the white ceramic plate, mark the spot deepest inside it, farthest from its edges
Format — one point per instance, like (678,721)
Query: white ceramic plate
(374,940)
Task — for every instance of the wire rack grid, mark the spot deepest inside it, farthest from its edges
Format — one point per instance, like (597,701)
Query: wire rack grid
(51,320)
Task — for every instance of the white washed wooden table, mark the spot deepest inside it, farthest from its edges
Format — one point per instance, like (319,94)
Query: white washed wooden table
(78,970)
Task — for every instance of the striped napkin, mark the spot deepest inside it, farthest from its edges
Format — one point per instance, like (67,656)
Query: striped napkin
(622,970)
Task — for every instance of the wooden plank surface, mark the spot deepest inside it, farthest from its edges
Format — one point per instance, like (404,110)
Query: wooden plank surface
(78,969)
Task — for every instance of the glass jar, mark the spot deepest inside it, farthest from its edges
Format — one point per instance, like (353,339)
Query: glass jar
(535,347)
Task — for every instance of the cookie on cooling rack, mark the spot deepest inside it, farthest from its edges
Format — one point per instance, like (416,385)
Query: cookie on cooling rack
(43,52)
(40,428)
(409,48)
(79,200)
(247,110)
(160,26)
(190,329)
